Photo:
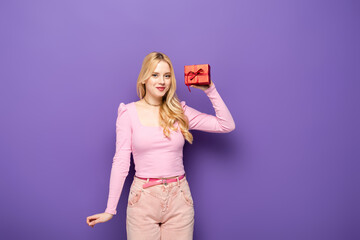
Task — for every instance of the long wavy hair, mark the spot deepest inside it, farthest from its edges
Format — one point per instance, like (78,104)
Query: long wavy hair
(171,110)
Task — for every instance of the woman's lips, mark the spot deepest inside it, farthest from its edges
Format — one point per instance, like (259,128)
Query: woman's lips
(161,88)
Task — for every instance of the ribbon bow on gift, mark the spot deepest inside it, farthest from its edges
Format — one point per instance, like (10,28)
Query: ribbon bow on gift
(194,74)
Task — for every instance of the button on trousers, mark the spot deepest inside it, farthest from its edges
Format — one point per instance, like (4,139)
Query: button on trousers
(164,211)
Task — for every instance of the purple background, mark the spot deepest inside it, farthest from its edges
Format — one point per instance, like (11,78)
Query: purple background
(287,70)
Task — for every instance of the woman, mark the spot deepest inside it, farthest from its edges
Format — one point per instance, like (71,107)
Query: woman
(154,130)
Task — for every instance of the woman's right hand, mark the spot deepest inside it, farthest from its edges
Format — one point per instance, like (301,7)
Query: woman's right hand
(98,218)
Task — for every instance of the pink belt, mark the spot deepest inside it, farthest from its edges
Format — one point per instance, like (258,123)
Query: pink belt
(157,181)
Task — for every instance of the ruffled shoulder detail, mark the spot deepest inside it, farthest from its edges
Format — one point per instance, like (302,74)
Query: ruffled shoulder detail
(122,108)
(124,115)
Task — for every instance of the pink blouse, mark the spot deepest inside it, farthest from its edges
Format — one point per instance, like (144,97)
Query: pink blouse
(155,155)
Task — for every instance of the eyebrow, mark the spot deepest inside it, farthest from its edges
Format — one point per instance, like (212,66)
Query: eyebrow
(165,73)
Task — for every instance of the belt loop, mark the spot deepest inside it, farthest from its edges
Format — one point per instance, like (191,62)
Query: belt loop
(177,178)
(147,180)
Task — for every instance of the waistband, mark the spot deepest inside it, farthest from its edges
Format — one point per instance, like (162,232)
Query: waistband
(156,181)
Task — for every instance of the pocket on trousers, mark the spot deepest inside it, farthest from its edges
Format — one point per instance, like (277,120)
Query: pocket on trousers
(134,196)
(186,194)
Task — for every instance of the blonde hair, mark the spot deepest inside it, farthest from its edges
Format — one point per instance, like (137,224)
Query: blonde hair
(171,110)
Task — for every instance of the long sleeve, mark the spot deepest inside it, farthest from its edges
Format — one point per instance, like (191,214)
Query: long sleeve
(223,122)
(121,161)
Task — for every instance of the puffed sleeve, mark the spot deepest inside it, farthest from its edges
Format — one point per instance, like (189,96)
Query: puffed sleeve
(223,122)
(121,161)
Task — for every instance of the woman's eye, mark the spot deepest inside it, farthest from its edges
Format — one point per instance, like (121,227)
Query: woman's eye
(168,76)
(154,75)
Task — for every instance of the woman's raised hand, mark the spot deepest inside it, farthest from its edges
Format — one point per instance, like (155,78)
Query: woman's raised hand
(98,218)
(202,87)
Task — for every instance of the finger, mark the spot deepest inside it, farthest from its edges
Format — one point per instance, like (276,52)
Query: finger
(88,220)
(93,223)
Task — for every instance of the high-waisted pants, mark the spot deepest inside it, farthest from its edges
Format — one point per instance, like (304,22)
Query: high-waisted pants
(164,211)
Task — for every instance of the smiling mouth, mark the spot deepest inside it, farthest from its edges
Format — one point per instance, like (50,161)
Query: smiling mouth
(161,88)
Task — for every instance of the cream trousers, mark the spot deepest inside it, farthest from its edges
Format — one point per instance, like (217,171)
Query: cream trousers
(164,211)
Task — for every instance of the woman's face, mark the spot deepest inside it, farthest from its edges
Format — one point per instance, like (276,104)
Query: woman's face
(159,82)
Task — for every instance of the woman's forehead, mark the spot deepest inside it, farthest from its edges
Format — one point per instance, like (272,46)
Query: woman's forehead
(162,67)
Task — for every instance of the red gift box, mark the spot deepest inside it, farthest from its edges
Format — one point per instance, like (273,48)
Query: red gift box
(197,75)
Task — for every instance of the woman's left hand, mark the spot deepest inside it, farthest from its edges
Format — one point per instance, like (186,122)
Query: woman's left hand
(202,87)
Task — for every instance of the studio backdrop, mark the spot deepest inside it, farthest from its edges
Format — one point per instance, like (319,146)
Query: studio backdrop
(287,70)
